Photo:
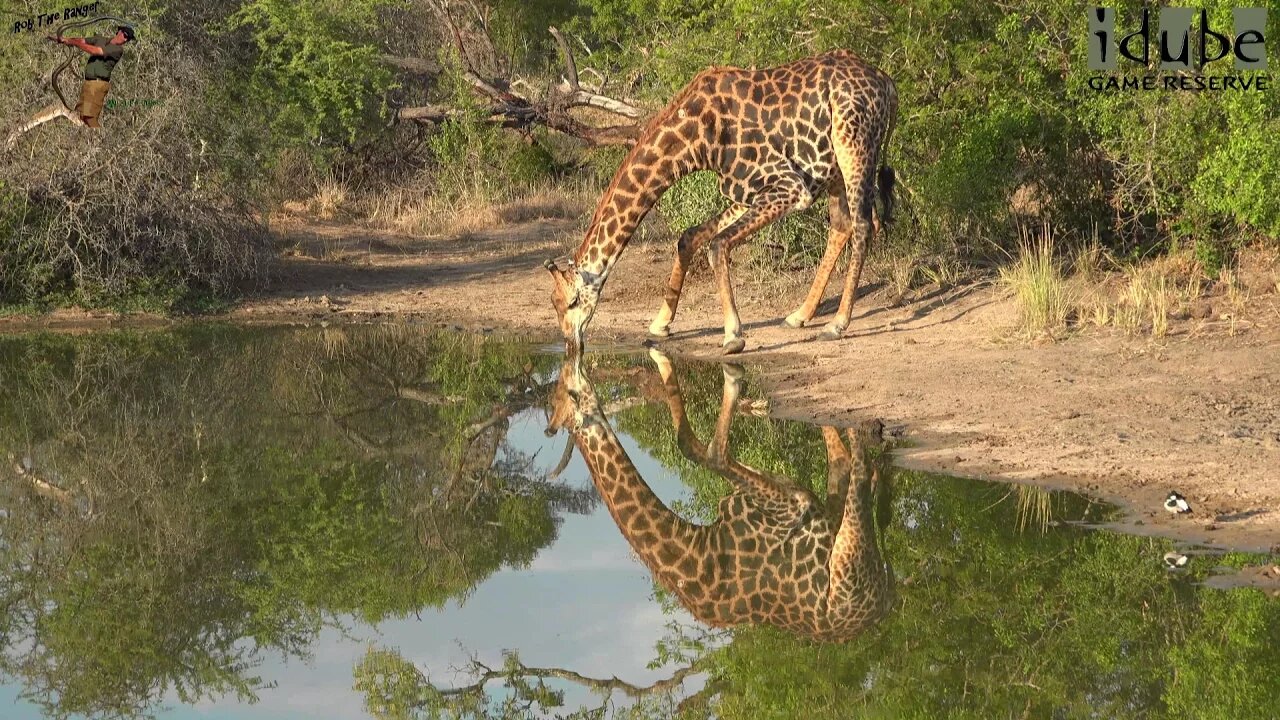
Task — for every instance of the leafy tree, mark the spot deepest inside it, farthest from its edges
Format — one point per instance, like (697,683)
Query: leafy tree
(317,73)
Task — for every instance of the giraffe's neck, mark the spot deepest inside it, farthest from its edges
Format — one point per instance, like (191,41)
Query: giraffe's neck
(661,157)
(657,534)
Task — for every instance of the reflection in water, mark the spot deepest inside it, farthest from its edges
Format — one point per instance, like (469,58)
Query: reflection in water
(180,512)
(176,507)
(775,554)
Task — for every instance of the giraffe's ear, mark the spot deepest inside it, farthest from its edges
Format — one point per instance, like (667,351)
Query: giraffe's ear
(561,264)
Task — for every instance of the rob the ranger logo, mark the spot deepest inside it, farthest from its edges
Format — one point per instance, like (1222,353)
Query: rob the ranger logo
(1183,54)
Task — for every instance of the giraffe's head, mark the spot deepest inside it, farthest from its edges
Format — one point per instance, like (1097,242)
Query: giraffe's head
(573,401)
(574,294)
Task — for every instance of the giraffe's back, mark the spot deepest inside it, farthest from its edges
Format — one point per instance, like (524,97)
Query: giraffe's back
(756,124)
(755,570)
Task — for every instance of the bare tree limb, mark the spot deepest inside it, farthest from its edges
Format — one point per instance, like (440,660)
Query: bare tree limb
(53,112)
(570,65)
(426,396)
(565,457)
(520,112)
(575,96)
(414,65)
(485,674)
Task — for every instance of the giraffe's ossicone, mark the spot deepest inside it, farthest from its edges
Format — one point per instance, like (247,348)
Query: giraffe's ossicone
(777,554)
(778,138)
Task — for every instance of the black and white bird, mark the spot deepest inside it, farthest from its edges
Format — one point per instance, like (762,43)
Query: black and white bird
(1176,504)
(1175,560)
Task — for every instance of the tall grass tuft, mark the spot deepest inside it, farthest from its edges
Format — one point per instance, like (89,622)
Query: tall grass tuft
(1036,279)
(1035,508)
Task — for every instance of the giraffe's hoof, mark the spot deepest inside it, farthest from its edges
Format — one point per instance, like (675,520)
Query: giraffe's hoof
(831,332)
(795,320)
(661,331)
(734,346)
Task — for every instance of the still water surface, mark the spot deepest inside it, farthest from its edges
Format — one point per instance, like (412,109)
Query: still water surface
(222,522)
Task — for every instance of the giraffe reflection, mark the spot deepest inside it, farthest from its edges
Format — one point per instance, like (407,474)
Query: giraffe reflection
(776,554)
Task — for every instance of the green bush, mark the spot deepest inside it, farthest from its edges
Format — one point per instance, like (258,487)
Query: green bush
(316,74)
(471,156)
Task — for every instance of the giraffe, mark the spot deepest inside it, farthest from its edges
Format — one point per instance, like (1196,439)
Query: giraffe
(775,555)
(778,138)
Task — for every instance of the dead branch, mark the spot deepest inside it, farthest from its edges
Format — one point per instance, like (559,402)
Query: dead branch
(522,112)
(565,457)
(571,88)
(413,65)
(570,65)
(483,675)
(52,112)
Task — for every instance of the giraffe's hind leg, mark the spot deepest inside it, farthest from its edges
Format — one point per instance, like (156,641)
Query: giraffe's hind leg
(856,144)
(837,237)
(691,241)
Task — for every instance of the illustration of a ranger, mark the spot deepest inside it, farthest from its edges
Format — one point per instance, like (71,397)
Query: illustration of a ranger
(105,52)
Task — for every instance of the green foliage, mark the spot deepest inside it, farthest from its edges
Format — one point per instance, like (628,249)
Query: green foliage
(317,73)
(472,158)
(692,201)
(1236,179)
(696,199)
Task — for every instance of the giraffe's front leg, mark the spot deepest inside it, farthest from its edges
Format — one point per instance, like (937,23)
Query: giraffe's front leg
(690,242)
(783,197)
(733,342)
(661,325)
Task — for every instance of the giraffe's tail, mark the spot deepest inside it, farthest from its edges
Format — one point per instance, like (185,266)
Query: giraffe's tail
(886,180)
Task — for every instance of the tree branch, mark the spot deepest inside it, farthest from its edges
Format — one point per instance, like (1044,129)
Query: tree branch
(486,674)
(514,111)
(414,65)
(570,65)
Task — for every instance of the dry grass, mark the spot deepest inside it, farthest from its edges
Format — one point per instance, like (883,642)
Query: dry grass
(1036,280)
(423,214)
(330,197)
(945,270)
(1090,259)
(1237,296)
(1035,508)
(898,271)
(1143,298)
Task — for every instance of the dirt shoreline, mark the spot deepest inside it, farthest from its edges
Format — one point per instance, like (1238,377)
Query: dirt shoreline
(1122,418)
